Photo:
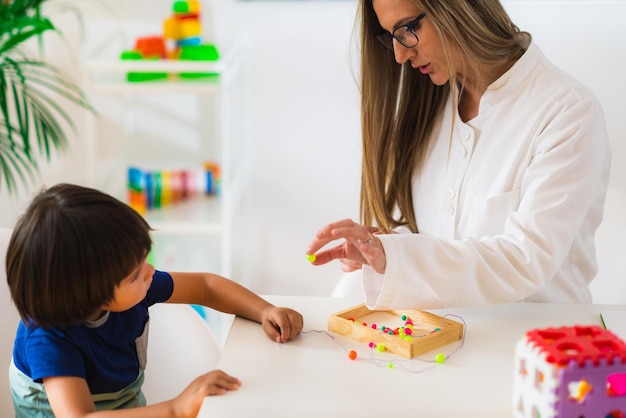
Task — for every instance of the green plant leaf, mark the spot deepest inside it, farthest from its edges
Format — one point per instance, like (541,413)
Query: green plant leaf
(32,119)
(14,161)
(22,30)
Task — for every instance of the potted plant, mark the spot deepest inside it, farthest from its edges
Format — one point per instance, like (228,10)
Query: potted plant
(33,122)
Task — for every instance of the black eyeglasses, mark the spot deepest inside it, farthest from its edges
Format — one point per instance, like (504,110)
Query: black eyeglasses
(404,34)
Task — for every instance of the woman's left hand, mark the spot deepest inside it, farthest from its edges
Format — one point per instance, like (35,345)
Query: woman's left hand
(360,246)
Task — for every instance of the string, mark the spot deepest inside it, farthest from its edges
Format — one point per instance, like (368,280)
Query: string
(399,362)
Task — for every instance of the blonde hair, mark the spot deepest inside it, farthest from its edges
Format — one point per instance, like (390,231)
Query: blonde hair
(399,105)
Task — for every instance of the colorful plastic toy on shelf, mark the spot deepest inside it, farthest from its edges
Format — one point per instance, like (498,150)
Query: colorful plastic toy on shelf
(184,29)
(149,190)
(576,371)
(184,26)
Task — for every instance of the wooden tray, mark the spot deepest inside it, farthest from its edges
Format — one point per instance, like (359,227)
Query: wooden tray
(425,337)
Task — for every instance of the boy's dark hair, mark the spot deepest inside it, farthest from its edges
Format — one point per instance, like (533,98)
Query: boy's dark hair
(69,251)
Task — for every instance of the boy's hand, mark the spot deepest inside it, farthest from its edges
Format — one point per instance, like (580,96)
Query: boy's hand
(189,402)
(281,324)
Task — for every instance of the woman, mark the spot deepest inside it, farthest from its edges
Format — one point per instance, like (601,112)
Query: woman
(485,167)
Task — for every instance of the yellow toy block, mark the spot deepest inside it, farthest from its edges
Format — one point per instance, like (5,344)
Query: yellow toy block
(194,6)
(178,29)
(190,28)
(171,28)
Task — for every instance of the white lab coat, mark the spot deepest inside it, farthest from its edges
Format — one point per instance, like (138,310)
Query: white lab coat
(506,204)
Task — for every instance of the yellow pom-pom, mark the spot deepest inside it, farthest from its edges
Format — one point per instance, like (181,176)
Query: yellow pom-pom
(440,358)
(311,258)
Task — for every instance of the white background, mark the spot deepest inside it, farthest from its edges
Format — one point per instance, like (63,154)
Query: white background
(305,112)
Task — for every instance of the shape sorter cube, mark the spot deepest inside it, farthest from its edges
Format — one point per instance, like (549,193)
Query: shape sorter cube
(430,331)
(577,371)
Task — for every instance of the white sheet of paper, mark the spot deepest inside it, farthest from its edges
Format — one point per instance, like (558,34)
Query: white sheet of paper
(615,321)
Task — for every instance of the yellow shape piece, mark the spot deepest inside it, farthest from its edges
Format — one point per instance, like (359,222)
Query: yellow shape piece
(311,258)
(579,390)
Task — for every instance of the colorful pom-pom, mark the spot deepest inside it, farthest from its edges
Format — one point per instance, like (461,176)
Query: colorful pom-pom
(352,355)
(440,358)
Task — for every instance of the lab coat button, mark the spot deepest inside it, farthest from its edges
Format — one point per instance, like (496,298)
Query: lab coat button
(451,193)
(448,210)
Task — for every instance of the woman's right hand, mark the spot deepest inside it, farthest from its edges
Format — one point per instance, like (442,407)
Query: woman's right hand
(360,246)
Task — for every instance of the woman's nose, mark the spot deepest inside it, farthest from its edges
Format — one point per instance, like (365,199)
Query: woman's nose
(401,53)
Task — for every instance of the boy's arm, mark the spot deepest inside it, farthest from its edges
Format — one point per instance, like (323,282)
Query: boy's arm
(224,295)
(69,397)
(218,293)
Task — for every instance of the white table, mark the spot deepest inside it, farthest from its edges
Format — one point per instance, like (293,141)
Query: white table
(312,375)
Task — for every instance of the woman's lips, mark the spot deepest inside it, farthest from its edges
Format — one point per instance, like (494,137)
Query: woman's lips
(424,69)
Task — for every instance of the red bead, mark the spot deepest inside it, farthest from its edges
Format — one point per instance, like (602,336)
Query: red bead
(352,355)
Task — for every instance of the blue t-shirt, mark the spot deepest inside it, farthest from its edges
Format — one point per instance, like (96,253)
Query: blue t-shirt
(108,353)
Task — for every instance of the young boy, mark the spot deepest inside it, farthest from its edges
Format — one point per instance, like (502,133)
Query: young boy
(77,271)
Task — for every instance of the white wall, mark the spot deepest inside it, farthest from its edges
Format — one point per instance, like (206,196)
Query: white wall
(305,119)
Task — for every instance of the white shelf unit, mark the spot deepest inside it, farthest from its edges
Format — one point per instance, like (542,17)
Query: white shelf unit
(209,217)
